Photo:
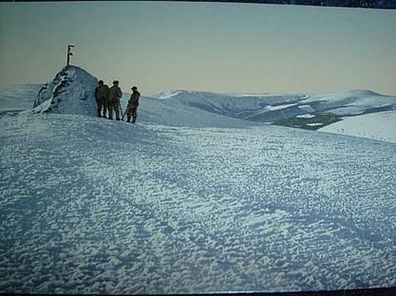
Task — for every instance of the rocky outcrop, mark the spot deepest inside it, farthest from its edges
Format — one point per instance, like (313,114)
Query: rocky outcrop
(70,92)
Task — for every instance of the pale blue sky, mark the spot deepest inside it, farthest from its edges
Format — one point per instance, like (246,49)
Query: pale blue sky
(202,46)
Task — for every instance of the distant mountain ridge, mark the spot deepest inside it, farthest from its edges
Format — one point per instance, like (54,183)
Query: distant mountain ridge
(310,111)
(17,97)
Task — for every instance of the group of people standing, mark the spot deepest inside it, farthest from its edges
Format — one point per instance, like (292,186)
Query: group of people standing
(108,100)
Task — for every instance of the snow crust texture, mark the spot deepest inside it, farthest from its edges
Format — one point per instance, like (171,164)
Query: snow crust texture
(96,206)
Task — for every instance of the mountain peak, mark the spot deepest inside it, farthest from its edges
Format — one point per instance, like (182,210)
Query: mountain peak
(168,94)
(70,92)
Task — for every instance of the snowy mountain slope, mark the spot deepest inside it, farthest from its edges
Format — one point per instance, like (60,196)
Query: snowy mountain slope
(352,102)
(236,106)
(176,113)
(379,126)
(18,97)
(89,205)
(280,109)
(70,92)
(303,111)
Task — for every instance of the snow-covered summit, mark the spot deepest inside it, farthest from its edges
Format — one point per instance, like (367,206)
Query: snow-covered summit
(70,92)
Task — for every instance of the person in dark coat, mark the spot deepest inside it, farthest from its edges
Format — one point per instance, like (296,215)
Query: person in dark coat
(133,104)
(102,97)
(115,95)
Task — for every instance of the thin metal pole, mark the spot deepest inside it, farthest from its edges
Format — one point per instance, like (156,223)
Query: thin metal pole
(69,46)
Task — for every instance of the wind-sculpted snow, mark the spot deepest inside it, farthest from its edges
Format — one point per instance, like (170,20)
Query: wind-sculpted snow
(70,92)
(94,206)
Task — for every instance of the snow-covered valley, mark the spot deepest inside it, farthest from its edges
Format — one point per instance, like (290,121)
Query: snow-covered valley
(189,200)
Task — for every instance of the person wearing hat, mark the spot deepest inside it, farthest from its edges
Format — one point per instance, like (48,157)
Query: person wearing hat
(115,95)
(133,104)
(101,96)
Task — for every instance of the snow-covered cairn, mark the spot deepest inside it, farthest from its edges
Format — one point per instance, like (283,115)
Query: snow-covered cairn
(70,92)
